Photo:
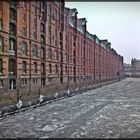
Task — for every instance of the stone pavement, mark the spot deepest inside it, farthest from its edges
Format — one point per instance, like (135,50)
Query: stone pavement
(112,111)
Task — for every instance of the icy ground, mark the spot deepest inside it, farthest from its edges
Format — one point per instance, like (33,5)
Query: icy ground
(112,111)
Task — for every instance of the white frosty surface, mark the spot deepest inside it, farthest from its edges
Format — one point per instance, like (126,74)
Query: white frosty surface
(112,111)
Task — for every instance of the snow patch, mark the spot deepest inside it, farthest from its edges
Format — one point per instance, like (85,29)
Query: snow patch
(31,118)
(49,128)
(55,113)
(19,104)
(41,98)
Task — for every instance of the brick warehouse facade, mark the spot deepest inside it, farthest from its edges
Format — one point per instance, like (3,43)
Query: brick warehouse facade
(44,44)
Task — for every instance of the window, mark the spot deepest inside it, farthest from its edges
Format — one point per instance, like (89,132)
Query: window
(35,67)
(24,49)
(34,81)
(57,56)
(1,83)
(61,36)
(42,69)
(43,81)
(61,45)
(12,2)
(35,51)
(49,9)
(50,68)
(24,33)
(12,44)
(1,44)
(1,7)
(35,35)
(24,67)
(12,29)
(43,5)
(13,14)
(0,24)
(42,27)
(55,13)
(33,8)
(24,17)
(42,53)
(52,13)
(50,79)
(34,23)
(66,57)
(49,30)
(50,53)
(1,66)
(12,66)
(56,68)
(43,16)
(42,39)
(65,69)
(53,38)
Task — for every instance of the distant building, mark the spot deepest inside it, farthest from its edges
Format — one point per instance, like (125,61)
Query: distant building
(135,64)
(127,70)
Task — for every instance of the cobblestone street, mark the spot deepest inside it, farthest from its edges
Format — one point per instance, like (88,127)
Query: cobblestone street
(112,111)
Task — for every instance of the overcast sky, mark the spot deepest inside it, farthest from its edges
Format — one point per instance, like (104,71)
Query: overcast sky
(119,22)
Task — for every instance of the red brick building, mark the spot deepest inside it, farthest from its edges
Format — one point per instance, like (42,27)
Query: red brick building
(44,43)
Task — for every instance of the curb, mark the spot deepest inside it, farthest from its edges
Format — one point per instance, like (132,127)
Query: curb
(34,103)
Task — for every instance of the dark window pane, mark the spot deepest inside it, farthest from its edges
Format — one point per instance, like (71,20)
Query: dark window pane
(1,65)
(13,14)
(24,67)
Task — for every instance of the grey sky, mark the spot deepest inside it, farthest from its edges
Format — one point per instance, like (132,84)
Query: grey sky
(119,22)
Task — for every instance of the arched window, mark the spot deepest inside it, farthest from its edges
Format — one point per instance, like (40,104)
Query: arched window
(1,65)
(24,48)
